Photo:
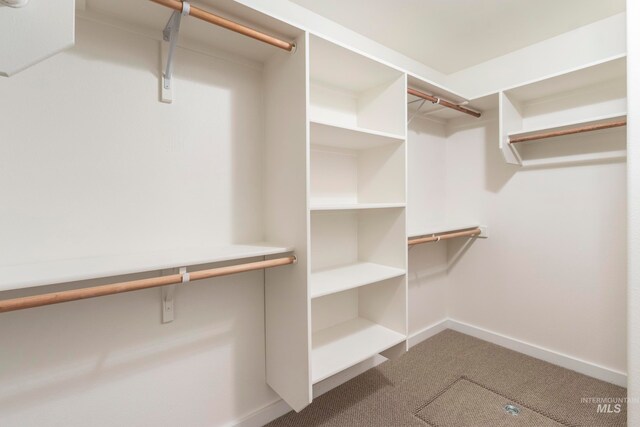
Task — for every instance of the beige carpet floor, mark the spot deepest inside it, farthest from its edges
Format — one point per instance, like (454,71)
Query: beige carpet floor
(454,380)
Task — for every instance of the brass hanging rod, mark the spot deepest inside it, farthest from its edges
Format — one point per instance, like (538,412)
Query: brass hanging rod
(436,238)
(588,128)
(442,102)
(212,18)
(136,285)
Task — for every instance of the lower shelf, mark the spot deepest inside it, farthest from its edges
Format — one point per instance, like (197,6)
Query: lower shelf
(346,344)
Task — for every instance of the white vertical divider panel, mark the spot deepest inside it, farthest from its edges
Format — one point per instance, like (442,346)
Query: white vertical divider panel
(402,294)
(286,177)
(510,121)
(383,237)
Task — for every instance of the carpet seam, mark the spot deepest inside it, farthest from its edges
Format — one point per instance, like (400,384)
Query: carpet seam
(464,377)
(519,402)
(429,402)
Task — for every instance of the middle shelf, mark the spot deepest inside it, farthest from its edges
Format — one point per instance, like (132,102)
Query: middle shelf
(341,240)
(339,279)
(351,167)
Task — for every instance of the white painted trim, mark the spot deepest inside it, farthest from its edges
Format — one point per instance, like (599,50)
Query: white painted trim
(262,416)
(428,332)
(569,362)
(278,408)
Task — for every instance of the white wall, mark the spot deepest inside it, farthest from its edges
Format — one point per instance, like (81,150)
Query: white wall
(426,206)
(553,271)
(85,143)
(633,172)
(88,147)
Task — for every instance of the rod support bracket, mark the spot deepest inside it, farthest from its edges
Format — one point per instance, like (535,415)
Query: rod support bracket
(169,41)
(168,294)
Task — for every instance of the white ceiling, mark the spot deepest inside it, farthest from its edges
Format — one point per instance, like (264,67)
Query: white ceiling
(451,35)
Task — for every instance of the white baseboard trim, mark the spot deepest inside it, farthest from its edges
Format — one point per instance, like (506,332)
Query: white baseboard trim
(263,416)
(428,332)
(278,408)
(569,362)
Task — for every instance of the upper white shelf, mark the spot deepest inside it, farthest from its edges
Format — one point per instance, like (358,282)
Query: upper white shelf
(606,71)
(328,63)
(350,137)
(69,270)
(365,97)
(351,276)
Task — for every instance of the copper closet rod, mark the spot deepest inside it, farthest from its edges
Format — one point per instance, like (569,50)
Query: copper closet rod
(588,128)
(211,18)
(136,285)
(442,102)
(437,238)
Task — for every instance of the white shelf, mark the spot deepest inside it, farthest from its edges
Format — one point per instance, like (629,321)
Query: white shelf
(591,75)
(570,124)
(69,270)
(352,137)
(348,343)
(589,95)
(343,69)
(370,95)
(319,206)
(329,281)
(576,158)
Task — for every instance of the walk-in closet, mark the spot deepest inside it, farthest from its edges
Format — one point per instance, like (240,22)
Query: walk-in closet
(319,213)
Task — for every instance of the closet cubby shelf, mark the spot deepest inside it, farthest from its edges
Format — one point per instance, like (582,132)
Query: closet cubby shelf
(352,177)
(590,95)
(346,344)
(333,280)
(353,206)
(350,137)
(365,97)
(75,269)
